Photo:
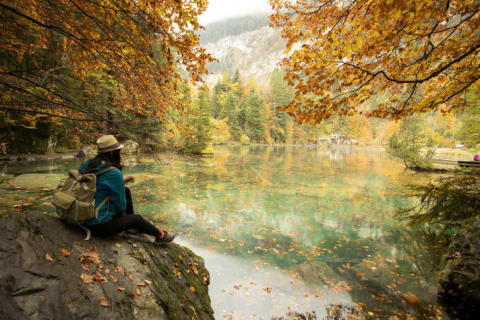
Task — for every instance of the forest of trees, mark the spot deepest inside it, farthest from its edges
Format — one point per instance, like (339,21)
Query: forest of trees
(62,87)
(71,71)
(244,112)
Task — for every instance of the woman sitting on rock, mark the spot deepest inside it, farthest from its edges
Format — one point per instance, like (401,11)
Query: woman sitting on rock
(116,212)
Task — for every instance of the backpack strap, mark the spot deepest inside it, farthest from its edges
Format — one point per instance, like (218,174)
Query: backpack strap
(80,225)
(108,169)
(96,210)
(89,233)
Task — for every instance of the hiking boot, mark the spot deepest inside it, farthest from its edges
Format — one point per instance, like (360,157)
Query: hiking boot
(167,237)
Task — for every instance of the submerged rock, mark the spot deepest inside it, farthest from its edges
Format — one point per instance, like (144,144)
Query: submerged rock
(459,280)
(48,272)
(38,180)
(5,177)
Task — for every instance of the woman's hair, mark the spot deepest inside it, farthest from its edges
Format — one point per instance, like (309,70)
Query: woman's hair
(112,158)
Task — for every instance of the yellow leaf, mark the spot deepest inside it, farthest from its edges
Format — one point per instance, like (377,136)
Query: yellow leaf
(86,278)
(194,269)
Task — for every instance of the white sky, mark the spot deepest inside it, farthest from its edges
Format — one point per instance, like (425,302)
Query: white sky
(223,9)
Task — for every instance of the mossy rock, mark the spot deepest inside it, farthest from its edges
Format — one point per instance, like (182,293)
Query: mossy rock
(42,277)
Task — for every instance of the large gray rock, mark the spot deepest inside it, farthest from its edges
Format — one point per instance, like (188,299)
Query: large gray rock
(88,151)
(38,281)
(459,280)
(130,147)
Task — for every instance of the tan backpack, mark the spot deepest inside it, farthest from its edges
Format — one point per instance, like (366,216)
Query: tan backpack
(75,200)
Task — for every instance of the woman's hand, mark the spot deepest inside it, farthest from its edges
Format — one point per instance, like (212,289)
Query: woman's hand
(129,179)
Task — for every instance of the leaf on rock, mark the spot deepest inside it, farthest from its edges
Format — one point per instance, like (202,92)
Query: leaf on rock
(90,256)
(410,297)
(99,278)
(104,302)
(86,278)
(194,269)
(120,270)
(65,253)
(48,257)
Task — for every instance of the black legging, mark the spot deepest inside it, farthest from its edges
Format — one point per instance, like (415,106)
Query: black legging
(128,195)
(121,223)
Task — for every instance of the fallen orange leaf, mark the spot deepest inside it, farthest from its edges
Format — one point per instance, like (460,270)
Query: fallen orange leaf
(65,253)
(104,302)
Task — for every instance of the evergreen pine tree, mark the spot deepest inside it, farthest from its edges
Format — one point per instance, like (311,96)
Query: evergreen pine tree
(231,110)
(201,126)
(219,98)
(255,116)
(282,94)
(236,76)
(242,113)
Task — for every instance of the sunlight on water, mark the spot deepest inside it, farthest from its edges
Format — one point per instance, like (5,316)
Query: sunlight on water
(292,229)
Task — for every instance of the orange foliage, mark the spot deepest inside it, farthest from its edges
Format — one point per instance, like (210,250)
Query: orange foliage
(422,54)
(136,45)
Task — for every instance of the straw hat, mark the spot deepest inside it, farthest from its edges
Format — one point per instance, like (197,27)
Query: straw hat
(108,143)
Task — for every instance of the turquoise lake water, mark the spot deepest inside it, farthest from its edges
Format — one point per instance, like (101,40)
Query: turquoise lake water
(284,229)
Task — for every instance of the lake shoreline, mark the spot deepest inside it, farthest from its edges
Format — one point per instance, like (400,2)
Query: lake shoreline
(464,153)
(35,156)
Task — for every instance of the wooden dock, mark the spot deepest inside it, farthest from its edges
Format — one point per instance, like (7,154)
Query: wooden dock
(460,163)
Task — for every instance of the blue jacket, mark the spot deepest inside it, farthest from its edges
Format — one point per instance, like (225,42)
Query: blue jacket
(109,184)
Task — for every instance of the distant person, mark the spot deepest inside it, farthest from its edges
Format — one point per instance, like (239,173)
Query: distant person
(116,213)
(476,157)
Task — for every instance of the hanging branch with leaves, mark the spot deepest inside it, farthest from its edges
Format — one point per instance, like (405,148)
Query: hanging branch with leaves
(50,50)
(420,54)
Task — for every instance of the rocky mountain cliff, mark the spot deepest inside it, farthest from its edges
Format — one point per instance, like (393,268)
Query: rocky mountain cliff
(255,53)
